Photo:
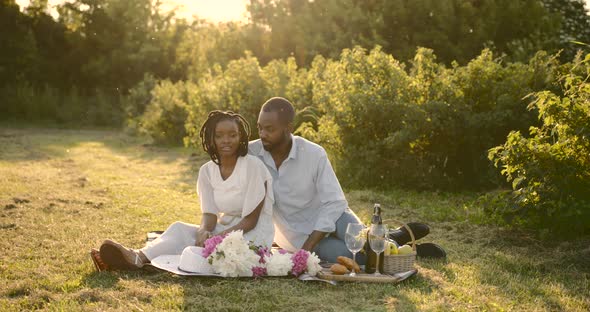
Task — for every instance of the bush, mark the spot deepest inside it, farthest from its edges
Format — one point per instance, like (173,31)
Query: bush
(135,103)
(71,107)
(363,99)
(103,109)
(22,101)
(26,102)
(426,127)
(493,95)
(165,117)
(550,170)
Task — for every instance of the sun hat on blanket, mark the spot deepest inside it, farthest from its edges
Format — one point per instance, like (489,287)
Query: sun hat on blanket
(190,262)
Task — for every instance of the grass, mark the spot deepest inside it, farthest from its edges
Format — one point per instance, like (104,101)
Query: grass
(63,191)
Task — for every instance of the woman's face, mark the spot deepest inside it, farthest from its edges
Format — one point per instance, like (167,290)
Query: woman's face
(227,138)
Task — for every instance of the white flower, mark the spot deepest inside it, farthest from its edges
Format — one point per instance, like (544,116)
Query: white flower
(279,264)
(237,259)
(313,264)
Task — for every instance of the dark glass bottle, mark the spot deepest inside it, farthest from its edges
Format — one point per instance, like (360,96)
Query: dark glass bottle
(371,255)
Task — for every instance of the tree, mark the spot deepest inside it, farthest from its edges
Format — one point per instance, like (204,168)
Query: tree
(19,55)
(121,41)
(574,26)
(454,29)
(204,44)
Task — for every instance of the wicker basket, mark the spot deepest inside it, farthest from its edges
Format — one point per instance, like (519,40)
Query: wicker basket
(401,263)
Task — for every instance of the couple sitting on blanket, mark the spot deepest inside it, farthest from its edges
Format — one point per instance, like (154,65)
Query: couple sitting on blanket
(279,188)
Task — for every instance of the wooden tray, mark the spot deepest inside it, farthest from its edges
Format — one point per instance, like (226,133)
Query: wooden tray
(364,277)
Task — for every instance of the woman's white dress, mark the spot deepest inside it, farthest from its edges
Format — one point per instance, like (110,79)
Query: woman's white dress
(230,200)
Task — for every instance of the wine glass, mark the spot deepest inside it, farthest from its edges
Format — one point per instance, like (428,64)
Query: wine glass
(377,234)
(355,240)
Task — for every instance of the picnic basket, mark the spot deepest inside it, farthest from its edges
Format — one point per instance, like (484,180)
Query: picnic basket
(401,263)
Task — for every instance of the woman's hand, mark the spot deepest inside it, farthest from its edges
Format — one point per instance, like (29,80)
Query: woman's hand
(208,222)
(202,236)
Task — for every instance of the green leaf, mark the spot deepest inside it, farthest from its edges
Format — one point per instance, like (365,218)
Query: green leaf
(516,182)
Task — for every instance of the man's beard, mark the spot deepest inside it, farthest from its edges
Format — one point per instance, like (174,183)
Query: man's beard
(269,147)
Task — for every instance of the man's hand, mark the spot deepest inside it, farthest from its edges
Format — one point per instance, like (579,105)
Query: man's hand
(314,238)
(202,236)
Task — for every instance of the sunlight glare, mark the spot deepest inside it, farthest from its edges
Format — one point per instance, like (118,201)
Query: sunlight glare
(212,10)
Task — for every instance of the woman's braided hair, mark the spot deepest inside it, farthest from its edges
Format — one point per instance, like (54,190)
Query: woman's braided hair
(208,133)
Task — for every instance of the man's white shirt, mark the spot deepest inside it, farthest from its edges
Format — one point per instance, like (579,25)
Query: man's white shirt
(307,193)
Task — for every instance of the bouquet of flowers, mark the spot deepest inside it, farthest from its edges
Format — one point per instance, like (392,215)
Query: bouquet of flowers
(231,255)
(283,263)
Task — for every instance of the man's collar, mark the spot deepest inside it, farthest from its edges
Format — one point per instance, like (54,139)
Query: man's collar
(262,150)
(293,152)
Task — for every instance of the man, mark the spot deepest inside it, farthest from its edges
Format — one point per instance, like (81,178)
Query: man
(310,210)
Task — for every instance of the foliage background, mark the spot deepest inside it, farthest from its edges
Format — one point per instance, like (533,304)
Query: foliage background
(409,94)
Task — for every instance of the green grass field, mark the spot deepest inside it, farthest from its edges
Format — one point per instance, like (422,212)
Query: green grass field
(63,191)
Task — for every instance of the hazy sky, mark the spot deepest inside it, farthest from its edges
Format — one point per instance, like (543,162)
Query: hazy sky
(214,10)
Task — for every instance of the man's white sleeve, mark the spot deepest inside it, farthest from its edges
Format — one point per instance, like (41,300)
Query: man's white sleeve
(332,200)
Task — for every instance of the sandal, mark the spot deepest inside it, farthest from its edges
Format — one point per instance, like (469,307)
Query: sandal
(119,257)
(99,265)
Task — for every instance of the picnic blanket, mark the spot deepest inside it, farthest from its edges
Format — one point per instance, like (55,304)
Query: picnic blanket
(170,263)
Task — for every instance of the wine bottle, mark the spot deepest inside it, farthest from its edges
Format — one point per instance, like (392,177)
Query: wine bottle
(371,263)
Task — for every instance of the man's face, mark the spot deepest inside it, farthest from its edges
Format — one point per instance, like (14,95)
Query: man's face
(271,130)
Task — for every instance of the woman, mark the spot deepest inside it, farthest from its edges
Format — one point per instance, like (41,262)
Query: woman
(235,193)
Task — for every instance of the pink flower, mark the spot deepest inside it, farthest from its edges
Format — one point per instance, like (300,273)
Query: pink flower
(211,244)
(258,271)
(299,260)
(283,251)
(263,252)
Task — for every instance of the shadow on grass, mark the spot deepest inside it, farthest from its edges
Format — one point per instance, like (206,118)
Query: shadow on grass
(110,279)
(514,278)
(103,280)
(526,269)
(284,294)
(290,294)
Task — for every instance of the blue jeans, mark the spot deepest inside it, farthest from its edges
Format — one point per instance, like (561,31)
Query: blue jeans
(332,246)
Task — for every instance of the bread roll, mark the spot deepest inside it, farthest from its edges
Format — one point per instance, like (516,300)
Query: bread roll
(349,263)
(338,269)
